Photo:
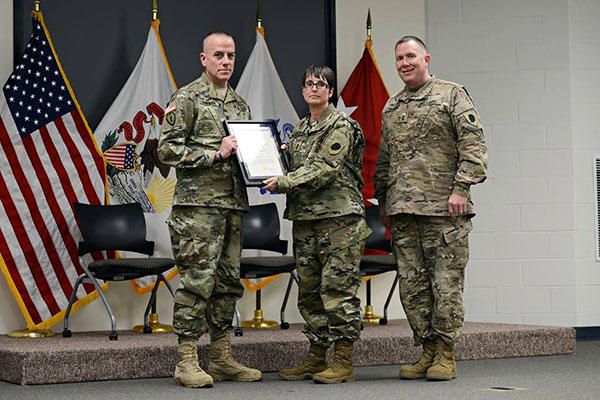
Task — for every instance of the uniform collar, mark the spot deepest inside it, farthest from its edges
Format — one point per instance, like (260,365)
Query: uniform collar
(321,122)
(422,92)
(212,89)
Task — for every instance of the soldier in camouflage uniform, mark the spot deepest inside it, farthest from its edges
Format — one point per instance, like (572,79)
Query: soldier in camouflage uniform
(206,220)
(326,205)
(432,150)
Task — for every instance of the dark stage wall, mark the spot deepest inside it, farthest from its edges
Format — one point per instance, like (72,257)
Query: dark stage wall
(100,41)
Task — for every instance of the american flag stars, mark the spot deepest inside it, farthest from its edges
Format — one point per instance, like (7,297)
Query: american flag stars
(36,88)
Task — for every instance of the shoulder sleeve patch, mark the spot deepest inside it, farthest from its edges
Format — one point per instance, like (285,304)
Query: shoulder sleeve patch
(472,119)
(335,148)
(170,118)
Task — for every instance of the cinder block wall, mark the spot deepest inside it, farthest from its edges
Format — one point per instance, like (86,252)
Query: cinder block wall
(584,51)
(532,68)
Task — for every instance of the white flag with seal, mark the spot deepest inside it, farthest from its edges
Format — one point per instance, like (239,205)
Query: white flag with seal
(262,89)
(128,136)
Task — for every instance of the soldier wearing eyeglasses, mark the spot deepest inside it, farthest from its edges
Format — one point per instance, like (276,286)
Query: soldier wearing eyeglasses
(325,203)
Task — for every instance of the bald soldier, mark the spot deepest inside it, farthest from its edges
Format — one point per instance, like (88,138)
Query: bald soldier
(432,150)
(206,220)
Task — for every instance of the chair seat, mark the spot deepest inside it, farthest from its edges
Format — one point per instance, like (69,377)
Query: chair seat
(374,264)
(130,268)
(260,267)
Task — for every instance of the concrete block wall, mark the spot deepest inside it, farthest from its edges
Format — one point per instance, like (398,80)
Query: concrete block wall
(513,56)
(584,33)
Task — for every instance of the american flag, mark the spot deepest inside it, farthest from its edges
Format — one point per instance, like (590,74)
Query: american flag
(122,156)
(48,160)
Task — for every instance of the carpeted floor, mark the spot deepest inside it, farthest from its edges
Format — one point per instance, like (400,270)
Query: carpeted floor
(562,377)
(90,356)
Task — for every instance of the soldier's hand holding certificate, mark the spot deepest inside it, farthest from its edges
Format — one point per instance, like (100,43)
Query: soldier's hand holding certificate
(258,150)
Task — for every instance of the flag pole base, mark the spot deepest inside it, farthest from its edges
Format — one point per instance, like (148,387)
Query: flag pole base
(369,317)
(259,321)
(155,326)
(31,333)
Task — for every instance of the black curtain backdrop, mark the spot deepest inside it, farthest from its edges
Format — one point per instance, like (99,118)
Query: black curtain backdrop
(99,42)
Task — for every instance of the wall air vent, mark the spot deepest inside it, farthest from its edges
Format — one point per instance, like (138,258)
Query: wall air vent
(597,203)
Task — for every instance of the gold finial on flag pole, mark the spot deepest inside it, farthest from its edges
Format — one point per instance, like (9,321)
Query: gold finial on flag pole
(154,10)
(36,5)
(258,16)
(369,25)
(259,25)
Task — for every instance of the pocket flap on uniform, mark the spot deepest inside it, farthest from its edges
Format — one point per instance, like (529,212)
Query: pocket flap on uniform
(184,298)
(346,236)
(453,233)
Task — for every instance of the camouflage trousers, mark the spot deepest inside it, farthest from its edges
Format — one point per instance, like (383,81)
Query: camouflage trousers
(207,247)
(328,253)
(432,253)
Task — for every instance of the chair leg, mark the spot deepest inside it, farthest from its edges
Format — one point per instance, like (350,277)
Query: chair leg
(238,322)
(66,332)
(284,324)
(151,304)
(113,322)
(384,320)
(167,284)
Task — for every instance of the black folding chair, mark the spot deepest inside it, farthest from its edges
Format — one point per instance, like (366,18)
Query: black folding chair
(376,264)
(119,227)
(261,232)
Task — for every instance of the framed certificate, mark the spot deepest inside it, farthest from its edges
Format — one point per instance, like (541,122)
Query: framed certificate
(259,150)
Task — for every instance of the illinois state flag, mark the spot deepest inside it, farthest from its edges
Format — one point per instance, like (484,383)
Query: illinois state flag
(363,99)
(128,135)
(262,89)
(48,160)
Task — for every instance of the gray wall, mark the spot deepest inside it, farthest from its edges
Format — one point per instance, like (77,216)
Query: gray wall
(99,42)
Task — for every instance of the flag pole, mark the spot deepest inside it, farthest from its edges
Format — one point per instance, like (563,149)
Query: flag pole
(154,10)
(32,333)
(153,325)
(258,321)
(369,316)
(369,25)
(259,26)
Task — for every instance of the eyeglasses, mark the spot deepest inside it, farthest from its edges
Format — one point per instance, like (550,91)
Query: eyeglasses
(318,85)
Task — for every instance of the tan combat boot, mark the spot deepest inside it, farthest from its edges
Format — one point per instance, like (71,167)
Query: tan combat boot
(222,366)
(341,369)
(418,370)
(444,366)
(314,363)
(187,372)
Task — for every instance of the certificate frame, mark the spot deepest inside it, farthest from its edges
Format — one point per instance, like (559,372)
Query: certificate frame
(259,151)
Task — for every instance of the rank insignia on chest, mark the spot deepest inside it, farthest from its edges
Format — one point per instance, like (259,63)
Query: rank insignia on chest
(403,117)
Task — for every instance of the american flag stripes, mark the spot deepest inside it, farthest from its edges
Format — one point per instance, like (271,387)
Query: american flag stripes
(48,160)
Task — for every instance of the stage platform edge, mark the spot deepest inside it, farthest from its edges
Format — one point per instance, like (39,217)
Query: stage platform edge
(91,356)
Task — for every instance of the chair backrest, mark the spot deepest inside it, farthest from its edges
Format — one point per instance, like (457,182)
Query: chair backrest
(377,240)
(119,227)
(261,229)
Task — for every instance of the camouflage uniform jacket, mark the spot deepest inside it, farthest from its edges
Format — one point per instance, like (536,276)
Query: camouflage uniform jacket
(431,146)
(326,163)
(190,138)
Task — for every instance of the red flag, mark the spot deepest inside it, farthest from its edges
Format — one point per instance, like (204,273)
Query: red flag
(366,91)
(48,160)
